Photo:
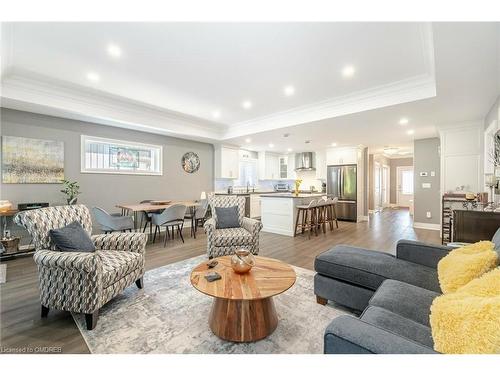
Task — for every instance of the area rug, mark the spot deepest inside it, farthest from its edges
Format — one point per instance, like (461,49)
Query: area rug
(170,316)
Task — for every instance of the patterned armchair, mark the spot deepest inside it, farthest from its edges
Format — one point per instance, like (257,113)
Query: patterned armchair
(82,282)
(226,241)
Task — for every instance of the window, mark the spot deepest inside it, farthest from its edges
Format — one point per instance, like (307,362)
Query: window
(248,173)
(407,179)
(101,155)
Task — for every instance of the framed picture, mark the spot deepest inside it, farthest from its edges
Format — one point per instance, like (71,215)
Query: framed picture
(32,161)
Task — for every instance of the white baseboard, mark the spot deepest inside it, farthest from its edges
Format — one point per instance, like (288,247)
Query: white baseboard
(371,211)
(363,218)
(427,226)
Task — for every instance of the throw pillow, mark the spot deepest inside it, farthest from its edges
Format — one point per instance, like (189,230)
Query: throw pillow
(464,264)
(227,217)
(72,237)
(468,321)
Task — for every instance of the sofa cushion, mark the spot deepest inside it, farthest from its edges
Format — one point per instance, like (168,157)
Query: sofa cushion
(398,324)
(369,268)
(404,299)
(232,237)
(116,264)
(72,237)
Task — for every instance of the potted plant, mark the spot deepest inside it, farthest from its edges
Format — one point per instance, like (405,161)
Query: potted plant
(71,189)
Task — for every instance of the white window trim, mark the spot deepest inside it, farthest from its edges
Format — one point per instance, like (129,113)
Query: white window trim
(84,138)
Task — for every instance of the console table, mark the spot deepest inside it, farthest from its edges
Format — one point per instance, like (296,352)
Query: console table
(473,225)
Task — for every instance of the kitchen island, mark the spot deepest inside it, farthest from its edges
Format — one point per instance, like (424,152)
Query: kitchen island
(279,211)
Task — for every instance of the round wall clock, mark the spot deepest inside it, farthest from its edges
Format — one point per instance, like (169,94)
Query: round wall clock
(190,162)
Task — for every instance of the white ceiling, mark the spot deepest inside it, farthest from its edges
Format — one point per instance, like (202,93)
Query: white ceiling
(172,76)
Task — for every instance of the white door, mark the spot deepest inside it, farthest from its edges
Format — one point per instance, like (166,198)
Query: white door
(376,195)
(405,186)
(385,186)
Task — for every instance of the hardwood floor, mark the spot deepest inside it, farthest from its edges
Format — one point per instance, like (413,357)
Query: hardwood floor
(21,326)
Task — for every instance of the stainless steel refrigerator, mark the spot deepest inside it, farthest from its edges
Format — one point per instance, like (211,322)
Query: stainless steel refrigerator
(342,183)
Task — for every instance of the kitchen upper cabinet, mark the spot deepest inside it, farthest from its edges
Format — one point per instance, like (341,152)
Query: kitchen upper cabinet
(275,167)
(343,155)
(227,162)
(291,174)
(321,165)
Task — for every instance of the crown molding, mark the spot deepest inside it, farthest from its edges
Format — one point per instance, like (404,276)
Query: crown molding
(412,89)
(29,91)
(415,88)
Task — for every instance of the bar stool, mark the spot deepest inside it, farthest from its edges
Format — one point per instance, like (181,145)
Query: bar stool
(306,218)
(322,207)
(331,212)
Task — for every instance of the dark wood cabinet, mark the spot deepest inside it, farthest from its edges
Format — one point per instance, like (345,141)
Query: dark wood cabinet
(473,226)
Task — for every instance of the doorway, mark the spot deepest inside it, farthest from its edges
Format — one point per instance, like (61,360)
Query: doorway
(404,186)
(381,186)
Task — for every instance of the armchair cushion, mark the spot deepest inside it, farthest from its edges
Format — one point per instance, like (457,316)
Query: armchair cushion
(232,237)
(72,237)
(227,217)
(118,264)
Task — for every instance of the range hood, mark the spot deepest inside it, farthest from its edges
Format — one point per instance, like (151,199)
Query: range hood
(305,161)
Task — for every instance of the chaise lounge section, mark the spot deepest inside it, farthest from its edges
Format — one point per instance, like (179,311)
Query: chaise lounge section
(394,293)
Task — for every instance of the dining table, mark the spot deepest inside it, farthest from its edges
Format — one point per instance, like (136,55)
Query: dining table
(135,209)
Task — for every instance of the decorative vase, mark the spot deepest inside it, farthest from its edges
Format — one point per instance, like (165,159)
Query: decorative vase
(242,261)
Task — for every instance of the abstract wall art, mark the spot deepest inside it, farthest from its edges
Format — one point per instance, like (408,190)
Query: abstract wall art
(32,161)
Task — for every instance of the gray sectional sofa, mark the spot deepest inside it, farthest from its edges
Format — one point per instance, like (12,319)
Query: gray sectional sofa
(394,294)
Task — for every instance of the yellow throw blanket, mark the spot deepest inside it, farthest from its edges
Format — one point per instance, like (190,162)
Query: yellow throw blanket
(468,321)
(465,264)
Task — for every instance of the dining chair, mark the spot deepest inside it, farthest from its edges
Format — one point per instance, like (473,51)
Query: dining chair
(197,215)
(146,216)
(112,222)
(171,217)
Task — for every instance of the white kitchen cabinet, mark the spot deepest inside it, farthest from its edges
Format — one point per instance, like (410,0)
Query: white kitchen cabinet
(269,168)
(342,155)
(227,162)
(255,205)
(291,174)
(321,165)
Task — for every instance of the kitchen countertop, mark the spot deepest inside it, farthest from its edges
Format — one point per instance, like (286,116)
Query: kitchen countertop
(292,195)
(270,192)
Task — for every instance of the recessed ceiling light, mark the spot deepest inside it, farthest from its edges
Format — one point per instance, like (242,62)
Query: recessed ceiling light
(216,114)
(248,140)
(334,144)
(247,104)
(348,71)
(289,149)
(410,132)
(114,50)
(271,145)
(403,121)
(289,90)
(93,76)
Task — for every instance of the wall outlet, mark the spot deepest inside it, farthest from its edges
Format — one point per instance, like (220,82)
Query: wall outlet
(426,185)
(433,174)
(428,214)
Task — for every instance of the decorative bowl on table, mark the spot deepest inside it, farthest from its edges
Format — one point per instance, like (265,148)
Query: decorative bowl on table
(242,261)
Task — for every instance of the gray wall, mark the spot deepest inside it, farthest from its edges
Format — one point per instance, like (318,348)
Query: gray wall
(107,190)
(426,159)
(394,164)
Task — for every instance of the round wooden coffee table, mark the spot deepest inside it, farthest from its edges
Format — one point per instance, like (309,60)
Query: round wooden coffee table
(243,308)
